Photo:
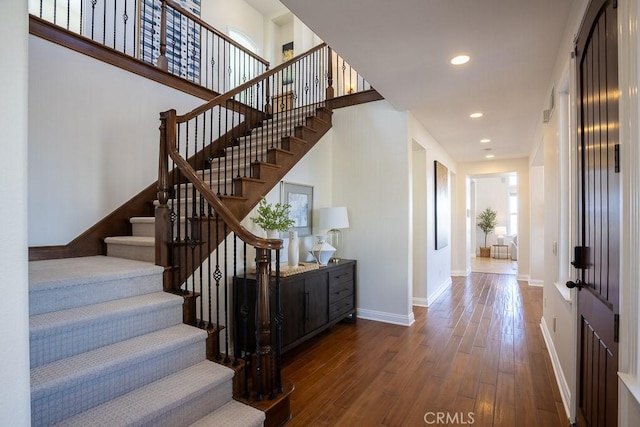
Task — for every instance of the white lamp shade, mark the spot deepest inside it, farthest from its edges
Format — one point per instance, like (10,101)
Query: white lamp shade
(333,218)
(501,231)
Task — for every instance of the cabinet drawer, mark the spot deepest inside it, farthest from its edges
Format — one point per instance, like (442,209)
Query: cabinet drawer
(341,275)
(340,307)
(337,291)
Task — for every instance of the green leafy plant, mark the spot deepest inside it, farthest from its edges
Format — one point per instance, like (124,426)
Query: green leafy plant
(273,217)
(487,222)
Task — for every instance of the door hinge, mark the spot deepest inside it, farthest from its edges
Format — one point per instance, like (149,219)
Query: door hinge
(616,150)
(616,328)
(615,4)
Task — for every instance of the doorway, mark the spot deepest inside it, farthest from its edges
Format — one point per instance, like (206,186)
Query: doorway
(498,192)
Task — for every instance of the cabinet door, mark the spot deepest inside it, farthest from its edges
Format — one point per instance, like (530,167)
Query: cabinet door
(316,293)
(292,299)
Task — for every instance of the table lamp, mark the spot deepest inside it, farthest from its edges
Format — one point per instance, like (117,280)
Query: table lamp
(334,219)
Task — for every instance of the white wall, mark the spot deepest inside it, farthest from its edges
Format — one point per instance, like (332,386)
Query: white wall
(439,261)
(88,119)
(235,14)
(14,305)
(469,169)
(419,236)
(371,178)
(539,208)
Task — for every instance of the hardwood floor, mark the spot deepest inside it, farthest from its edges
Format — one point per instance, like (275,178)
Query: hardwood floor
(475,357)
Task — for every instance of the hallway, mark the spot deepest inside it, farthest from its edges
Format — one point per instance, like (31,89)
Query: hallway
(476,356)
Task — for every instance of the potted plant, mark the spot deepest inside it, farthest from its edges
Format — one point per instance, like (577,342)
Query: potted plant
(487,222)
(272,218)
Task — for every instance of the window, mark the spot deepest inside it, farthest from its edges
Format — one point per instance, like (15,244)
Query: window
(512,226)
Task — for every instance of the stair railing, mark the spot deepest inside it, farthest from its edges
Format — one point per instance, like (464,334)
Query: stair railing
(214,162)
(162,33)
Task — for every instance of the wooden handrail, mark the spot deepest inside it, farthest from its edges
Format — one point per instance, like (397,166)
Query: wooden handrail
(226,38)
(219,100)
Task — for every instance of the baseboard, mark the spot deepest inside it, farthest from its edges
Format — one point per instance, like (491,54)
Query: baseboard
(420,302)
(523,277)
(461,273)
(435,295)
(381,316)
(538,283)
(565,392)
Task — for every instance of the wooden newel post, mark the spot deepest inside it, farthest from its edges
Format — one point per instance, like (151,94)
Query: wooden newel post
(263,369)
(162,213)
(163,62)
(330,91)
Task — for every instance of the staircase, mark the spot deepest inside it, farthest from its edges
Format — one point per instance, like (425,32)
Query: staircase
(290,134)
(108,348)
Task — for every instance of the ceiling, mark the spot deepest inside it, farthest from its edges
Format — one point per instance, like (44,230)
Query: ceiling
(403,49)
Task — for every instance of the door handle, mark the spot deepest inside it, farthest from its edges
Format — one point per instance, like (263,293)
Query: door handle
(577,284)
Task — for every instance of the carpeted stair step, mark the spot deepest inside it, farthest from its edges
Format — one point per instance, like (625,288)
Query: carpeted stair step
(72,385)
(65,333)
(176,400)
(60,284)
(233,414)
(132,247)
(143,226)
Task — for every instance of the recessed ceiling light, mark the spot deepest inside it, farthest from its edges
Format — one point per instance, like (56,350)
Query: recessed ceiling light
(460,59)
(484,141)
(489,156)
(475,115)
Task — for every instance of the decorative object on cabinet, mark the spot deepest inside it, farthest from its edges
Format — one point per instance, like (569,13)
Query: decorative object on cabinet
(300,198)
(273,217)
(322,251)
(293,251)
(311,302)
(334,219)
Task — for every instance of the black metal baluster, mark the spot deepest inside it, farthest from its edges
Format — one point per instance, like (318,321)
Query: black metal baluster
(125,18)
(226,292)
(217,276)
(93,17)
(115,13)
(199,219)
(244,313)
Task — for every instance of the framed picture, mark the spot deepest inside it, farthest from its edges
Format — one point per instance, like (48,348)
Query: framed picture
(287,54)
(442,205)
(300,198)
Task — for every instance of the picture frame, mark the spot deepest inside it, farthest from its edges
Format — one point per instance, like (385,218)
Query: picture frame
(300,198)
(441,205)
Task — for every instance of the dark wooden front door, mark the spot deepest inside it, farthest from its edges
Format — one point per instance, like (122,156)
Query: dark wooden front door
(597,259)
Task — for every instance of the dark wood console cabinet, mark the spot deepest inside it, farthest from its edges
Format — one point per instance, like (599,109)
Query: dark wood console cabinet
(311,302)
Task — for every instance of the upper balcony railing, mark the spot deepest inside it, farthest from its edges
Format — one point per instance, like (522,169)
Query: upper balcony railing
(164,33)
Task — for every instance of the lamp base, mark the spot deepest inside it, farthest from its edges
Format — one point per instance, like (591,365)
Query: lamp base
(334,238)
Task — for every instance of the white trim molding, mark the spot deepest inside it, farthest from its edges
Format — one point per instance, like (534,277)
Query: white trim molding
(435,295)
(629,80)
(460,273)
(381,316)
(420,302)
(565,391)
(537,283)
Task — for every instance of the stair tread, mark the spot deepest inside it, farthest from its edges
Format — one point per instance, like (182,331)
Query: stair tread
(147,403)
(65,333)
(67,272)
(131,240)
(142,220)
(232,414)
(42,323)
(92,364)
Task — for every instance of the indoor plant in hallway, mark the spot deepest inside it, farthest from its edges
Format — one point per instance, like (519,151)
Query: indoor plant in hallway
(487,222)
